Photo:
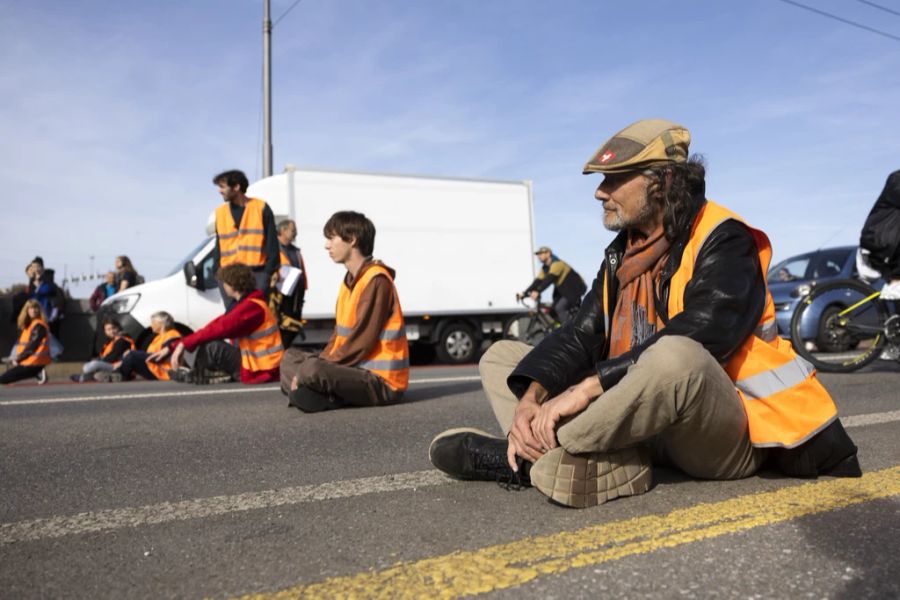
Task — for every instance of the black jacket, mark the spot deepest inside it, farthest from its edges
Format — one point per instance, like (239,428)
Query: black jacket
(723,303)
(881,233)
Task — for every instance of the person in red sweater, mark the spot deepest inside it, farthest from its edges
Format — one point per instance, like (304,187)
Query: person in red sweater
(257,354)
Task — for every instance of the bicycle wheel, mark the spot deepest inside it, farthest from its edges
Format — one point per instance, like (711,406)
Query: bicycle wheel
(524,328)
(840,326)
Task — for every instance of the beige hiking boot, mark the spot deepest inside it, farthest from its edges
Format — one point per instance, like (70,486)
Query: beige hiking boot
(582,480)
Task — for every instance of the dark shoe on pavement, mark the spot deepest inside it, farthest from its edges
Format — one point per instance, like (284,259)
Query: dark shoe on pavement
(311,401)
(213,377)
(467,453)
(108,376)
(582,480)
(181,375)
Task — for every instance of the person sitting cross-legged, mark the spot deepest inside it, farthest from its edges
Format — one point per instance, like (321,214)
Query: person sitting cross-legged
(673,358)
(366,361)
(249,322)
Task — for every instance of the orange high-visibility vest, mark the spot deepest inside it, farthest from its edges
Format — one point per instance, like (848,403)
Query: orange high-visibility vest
(107,348)
(244,244)
(262,349)
(41,356)
(786,405)
(286,261)
(389,359)
(161,369)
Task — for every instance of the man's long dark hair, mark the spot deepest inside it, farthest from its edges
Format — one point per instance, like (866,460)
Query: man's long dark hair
(680,188)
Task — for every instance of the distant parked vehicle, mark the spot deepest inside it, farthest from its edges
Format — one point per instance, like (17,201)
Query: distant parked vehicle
(792,279)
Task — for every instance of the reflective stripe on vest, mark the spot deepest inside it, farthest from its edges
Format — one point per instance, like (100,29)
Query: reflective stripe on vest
(161,369)
(107,348)
(244,244)
(389,359)
(262,349)
(786,404)
(41,356)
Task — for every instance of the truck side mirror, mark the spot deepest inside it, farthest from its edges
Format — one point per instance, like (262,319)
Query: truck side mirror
(190,276)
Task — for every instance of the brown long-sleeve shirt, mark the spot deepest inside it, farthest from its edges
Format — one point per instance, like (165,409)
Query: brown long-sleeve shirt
(374,309)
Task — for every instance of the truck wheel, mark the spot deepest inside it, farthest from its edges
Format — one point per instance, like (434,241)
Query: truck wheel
(457,344)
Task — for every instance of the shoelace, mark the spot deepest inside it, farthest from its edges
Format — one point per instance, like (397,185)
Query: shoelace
(497,466)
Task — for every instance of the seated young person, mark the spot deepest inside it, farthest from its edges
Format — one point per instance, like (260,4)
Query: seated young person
(249,322)
(111,356)
(366,362)
(32,352)
(139,362)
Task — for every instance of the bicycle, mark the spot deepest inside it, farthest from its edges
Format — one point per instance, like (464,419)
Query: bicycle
(844,325)
(533,327)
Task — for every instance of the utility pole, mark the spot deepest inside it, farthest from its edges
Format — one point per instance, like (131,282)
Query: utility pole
(267,88)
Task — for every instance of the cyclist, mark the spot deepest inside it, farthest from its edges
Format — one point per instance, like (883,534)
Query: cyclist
(879,247)
(879,240)
(568,286)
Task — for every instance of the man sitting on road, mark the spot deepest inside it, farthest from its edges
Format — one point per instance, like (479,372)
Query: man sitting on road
(145,364)
(117,344)
(366,362)
(674,354)
(568,286)
(249,322)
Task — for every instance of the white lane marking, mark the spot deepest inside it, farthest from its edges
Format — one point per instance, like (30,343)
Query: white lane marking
(105,520)
(871,419)
(206,392)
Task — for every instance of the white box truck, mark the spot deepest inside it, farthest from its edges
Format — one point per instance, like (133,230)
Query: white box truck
(461,248)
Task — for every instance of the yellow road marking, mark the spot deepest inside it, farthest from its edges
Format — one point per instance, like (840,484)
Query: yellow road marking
(512,564)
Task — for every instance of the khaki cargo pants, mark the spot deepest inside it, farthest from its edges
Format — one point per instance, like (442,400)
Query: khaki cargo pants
(676,398)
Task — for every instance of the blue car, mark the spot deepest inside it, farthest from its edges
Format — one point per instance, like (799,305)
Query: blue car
(792,279)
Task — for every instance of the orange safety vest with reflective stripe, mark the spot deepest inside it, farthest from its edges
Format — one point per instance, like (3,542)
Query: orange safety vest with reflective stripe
(109,345)
(262,349)
(41,356)
(244,244)
(786,405)
(389,359)
(161,369)
(286,261)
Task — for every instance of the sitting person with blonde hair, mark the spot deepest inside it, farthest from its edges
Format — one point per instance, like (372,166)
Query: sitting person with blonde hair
(32,352)
(140,362)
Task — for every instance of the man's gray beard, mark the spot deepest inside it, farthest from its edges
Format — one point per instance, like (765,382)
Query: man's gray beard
(646,215)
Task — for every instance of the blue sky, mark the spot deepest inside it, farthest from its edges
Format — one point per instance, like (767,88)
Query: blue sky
(114,116)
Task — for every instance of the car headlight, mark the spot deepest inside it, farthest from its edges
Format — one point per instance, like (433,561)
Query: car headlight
(122,304)
(802,290)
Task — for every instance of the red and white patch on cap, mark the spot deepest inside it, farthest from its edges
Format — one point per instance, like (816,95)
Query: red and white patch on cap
(607,156)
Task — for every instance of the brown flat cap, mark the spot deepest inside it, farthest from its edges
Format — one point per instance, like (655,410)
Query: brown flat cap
(644,144)
(543,249)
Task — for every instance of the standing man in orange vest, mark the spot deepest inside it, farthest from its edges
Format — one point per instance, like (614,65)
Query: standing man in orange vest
(245,232)
(366,362)
(672,359)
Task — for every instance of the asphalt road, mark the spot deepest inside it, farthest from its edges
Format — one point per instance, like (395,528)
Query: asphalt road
(166,490)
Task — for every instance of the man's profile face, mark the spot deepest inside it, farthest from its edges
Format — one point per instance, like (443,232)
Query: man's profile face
(625,202)
(544,257)
(290,233)
(338,249)
(228,193)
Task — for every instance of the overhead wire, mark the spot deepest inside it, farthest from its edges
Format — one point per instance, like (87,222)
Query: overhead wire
(285,13)
(842,20)
(880,7)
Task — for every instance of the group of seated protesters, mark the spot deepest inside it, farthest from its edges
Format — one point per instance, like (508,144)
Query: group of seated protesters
(365,363)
